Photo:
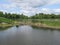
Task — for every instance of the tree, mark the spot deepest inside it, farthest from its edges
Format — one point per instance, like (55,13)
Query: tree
(1,14)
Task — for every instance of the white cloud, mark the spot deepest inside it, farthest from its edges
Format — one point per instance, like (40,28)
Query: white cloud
(49,11)
(35,2)
(57,10)
(29,7)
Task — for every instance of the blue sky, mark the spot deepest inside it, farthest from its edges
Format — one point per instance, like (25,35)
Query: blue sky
(30,7)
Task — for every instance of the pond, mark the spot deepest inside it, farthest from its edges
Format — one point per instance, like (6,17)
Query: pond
(28,35)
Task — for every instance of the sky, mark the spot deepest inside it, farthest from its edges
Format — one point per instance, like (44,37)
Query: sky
(30,7)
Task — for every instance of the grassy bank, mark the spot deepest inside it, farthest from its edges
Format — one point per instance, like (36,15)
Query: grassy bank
(45,23)
(50,24)
(39,25)
(4,22)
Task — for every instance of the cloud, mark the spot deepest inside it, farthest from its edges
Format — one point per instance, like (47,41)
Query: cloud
(29,7)
(34,3)
(50,11)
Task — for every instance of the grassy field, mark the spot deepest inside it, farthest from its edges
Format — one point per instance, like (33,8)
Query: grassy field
(5,20)
(49,22)
(52,23)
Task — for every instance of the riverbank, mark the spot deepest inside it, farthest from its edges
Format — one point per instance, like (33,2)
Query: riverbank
(4,25)
(45,25)
(39,25)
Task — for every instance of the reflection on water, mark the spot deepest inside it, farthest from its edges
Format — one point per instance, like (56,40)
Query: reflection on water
(27,35)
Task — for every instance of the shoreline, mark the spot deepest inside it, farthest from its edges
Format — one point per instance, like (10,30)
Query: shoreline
(45,26)
(39,25)
(5,25)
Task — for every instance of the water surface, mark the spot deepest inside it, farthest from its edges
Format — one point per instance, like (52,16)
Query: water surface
(27,35)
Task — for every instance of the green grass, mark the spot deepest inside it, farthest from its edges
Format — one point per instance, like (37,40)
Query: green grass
(49,22)
(52,23)
(5,20)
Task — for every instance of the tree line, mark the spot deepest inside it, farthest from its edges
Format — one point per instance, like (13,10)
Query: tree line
(36,16)
(13,16)
(45,16)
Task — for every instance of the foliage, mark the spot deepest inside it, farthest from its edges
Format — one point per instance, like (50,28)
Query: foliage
(13,16)
(45,16)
